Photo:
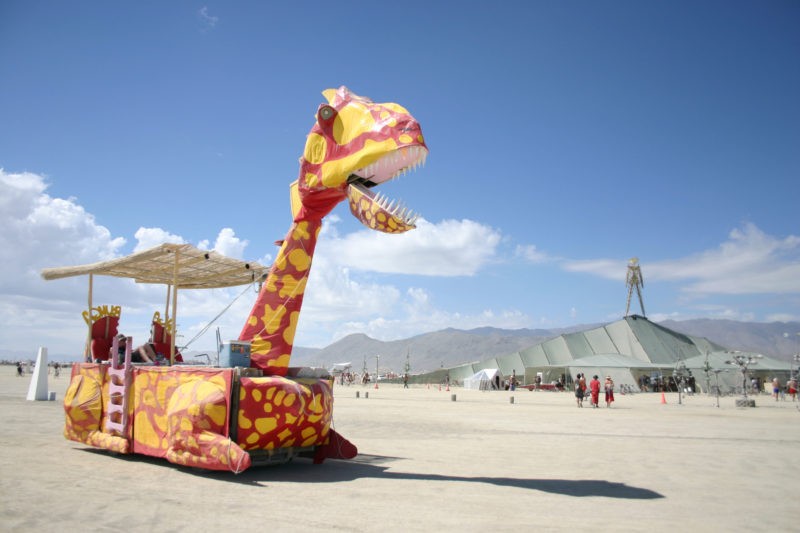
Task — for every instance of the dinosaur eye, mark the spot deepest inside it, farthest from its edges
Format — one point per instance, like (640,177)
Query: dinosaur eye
(326,112)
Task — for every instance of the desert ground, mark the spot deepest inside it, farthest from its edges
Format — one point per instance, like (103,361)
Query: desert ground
(431,459)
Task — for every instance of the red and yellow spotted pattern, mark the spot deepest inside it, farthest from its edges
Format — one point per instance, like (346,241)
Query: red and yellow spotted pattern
(183,414)
(275,412)
(352,136)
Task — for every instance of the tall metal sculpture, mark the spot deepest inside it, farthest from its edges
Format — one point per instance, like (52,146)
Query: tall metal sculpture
(635,280)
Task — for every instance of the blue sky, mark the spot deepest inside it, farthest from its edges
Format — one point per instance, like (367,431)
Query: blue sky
(565,138)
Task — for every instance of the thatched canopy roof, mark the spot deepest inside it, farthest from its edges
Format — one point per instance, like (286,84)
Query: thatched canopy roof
(181,265)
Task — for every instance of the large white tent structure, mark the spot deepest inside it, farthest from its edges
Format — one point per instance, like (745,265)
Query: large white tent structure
(630,350)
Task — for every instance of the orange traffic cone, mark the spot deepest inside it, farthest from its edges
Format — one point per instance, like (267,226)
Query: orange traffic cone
(663,399)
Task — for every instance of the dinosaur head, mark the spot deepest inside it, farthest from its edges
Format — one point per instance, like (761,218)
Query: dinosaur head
(354,146)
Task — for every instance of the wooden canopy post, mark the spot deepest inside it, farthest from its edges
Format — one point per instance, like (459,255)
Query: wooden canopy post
(174,323)
(87,350)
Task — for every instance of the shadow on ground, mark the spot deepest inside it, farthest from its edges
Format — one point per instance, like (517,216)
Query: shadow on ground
(371,466)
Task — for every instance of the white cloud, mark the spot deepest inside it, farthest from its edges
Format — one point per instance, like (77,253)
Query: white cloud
(148,237)
(749,262)
(41,231)
(229,244)
(605,268)
(531,254)
(343,296)
(448,248)
(207,19)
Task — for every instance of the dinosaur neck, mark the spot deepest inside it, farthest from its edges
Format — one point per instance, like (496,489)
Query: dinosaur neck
(270,328)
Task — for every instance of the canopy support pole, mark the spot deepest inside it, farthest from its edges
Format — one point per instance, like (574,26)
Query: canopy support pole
(87,350)
(174,322)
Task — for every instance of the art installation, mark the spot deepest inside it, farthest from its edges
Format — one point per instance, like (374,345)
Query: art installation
(634,280)
(228,418)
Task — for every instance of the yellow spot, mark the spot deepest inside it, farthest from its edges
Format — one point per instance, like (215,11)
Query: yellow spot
(315,149)
(292,286)
(351,121)
(278,265)
(336,171)
(216,413)
(144,431)
(300,259)
(290,418)
(244,422)
(265,425)
(279,397)
(289,400)
(256,395)
(272,319)
(252,438)
(267,407)
(281,361)
(406,139)
(186,424)
(288,333)
(285,434)
(301,231)
(312,179)
(260,346)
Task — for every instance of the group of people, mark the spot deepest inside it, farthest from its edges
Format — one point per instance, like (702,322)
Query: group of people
(594,390)
(791,388)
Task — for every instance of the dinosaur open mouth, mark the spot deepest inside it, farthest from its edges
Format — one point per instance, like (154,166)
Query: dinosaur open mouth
(374,210)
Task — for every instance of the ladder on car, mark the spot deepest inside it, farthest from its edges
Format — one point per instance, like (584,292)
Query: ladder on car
(119,377)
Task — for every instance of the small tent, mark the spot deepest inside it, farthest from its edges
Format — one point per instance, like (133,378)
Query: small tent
(486,379)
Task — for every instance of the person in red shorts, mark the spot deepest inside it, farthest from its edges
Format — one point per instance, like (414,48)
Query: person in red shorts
(609,386)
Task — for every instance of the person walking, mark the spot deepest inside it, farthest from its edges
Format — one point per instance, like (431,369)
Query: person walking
(609,387)
(578,391)
(594,387)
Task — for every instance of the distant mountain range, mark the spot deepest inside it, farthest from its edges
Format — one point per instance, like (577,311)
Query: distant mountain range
(453,347)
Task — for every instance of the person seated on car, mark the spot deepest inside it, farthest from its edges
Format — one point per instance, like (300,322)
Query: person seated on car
(144,354)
